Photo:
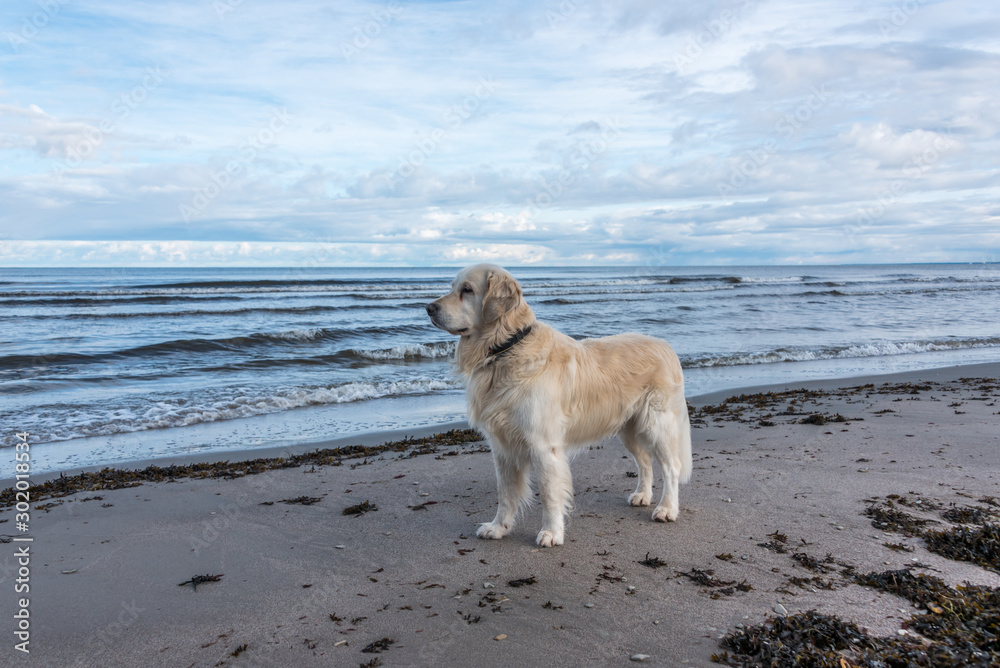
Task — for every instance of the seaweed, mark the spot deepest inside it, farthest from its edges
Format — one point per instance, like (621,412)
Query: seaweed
(969,515)
(379,646)
(814,564)
(980,545)
(199,579)
(705,578)
(303,500)
(777,543)
(111,478)
(888,518)
(521,582)
(654,562)
(359,509)
(961,627)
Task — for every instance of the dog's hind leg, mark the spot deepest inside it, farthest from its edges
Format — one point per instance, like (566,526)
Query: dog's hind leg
(639,449)
(671,430)
(555,486)
(512,493)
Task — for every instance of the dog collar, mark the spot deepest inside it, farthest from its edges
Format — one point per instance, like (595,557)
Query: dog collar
(509,343)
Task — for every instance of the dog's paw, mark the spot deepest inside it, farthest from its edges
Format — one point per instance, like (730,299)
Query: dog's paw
(549,538)
(492,530)
(665,514)
(639,498)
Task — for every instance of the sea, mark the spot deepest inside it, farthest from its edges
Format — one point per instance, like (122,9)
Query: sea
(110,366)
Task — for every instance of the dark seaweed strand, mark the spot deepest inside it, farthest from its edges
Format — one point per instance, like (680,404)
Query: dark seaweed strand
(112,478)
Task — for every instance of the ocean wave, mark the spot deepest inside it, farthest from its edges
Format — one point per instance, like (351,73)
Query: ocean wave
(152,413)
(411,351)
(294,310)
(872,349)
(231,344)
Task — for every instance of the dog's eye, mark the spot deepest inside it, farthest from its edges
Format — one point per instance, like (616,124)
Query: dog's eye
(467,290)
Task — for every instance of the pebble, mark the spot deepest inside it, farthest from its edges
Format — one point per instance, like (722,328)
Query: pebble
(630,589)
(781,610)
(69,571)
(588,605)
(639,657)
(425,493)
(487,585)
(745,557)
(340,547)
(728,500)
(502,636)
(656,622)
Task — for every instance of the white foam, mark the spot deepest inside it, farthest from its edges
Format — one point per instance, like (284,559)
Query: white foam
(410,351)
(241,403)
(879,348)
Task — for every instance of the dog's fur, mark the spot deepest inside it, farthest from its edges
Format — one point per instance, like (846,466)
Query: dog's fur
(550,393)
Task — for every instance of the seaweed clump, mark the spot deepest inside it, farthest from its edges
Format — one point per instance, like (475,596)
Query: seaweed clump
(961,627)
(805,639)
(359,509)
(980,545)
(889,518)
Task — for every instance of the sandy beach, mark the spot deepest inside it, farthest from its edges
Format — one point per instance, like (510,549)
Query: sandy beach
(776,476)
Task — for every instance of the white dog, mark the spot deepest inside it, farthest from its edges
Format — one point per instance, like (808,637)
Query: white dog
(536,393)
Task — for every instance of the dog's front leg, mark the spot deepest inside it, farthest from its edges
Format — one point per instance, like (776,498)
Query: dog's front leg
(512,491)
(555,485)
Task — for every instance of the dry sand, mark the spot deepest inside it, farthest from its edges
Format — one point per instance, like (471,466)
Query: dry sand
(105,572)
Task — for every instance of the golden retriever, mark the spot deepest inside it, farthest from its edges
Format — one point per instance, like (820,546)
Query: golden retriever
(537,393)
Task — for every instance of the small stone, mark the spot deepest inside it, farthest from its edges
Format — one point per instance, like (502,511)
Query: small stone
(901,632)
(745,557)
(656,622)
(780,610)
(630,589)
(502,636)
(69,571)
(588,605)
(728,500)
(487,585)
(639,657)
(340,547)
(425,493)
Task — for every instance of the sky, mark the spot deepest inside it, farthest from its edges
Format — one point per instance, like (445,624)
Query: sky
(572,132)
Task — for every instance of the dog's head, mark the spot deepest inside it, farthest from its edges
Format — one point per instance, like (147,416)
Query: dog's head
(480,298)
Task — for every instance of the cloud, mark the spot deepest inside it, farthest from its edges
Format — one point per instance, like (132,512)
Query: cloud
(730,131)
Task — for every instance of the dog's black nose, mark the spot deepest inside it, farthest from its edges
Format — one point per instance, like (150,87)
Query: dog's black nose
(432,309)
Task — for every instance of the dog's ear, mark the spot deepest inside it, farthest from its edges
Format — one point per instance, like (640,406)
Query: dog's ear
(503,294)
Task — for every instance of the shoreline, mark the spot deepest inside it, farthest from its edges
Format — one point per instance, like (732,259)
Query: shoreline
(377,437)
(327,564)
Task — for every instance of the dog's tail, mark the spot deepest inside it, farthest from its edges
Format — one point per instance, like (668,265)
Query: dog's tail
(682,436)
